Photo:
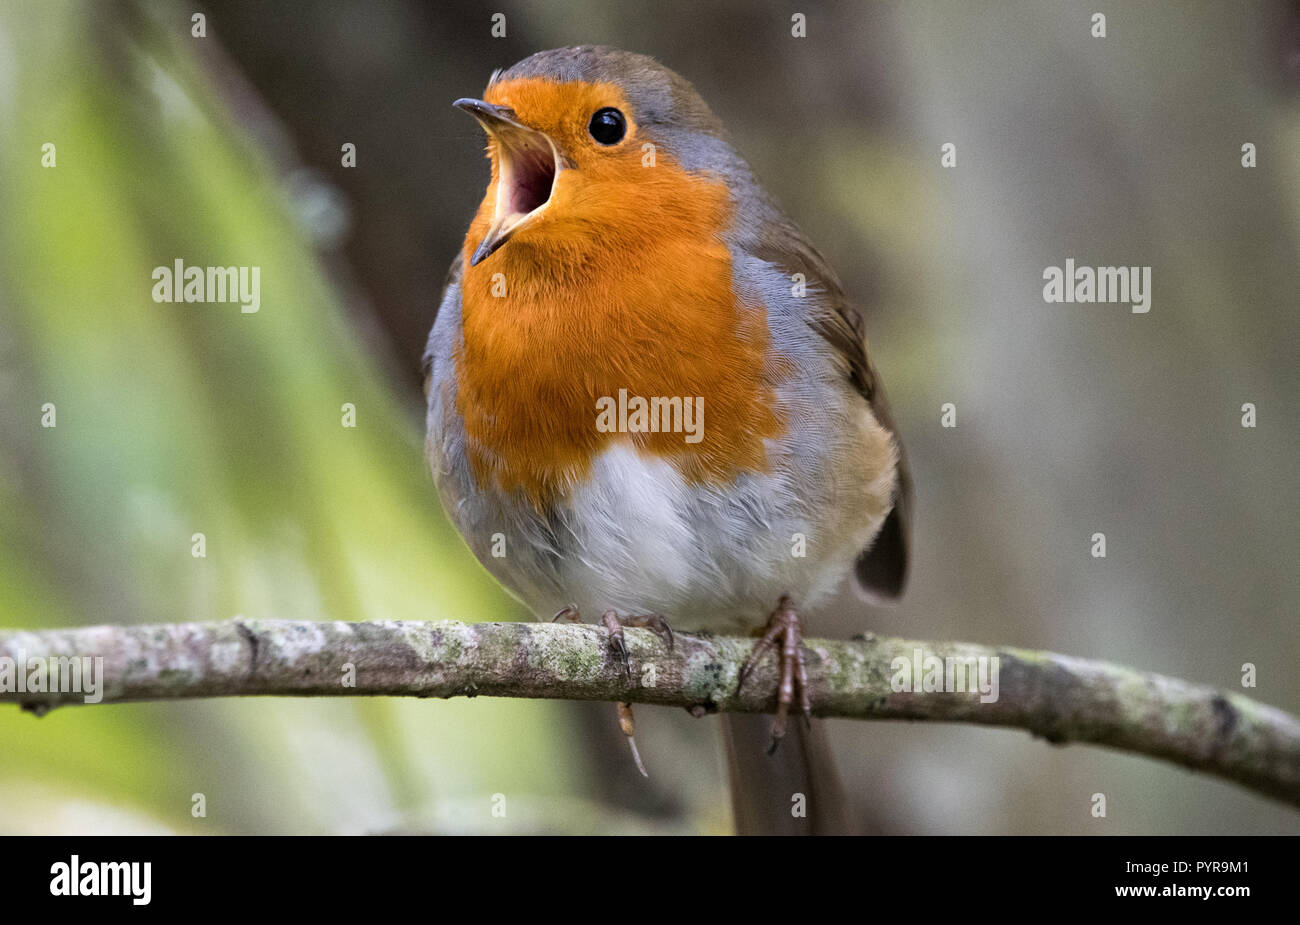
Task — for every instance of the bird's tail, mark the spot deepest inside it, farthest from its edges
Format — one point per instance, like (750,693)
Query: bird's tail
(795,791)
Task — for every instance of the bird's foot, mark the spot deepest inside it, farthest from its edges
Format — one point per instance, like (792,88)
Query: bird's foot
(614,623)
(783,626)
(618,643)
(651,621)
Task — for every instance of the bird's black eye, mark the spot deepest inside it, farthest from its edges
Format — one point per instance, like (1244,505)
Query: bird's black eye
(607,126)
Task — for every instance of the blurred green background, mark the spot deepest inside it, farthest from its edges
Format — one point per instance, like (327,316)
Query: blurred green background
(176,419)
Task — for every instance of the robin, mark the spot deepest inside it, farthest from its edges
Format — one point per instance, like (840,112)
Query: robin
(648,394)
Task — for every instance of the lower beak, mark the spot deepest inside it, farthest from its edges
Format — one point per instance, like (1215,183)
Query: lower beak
(528,163)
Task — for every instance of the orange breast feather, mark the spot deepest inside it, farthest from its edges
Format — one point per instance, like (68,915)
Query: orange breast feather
(622,283)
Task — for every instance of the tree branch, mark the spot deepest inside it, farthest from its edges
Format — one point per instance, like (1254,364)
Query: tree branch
(1057,697)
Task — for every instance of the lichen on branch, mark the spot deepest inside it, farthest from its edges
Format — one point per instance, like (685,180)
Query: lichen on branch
(1057,697)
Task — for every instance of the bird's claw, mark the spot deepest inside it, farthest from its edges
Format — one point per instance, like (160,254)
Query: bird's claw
(783,625)
(618,644)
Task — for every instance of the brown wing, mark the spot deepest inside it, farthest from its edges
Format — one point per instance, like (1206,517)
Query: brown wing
(881,569)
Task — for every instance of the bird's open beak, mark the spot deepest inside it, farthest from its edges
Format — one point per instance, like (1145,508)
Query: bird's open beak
(527,164)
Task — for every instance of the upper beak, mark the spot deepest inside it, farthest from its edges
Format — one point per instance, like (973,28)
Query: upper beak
(489,115)
(527,164)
